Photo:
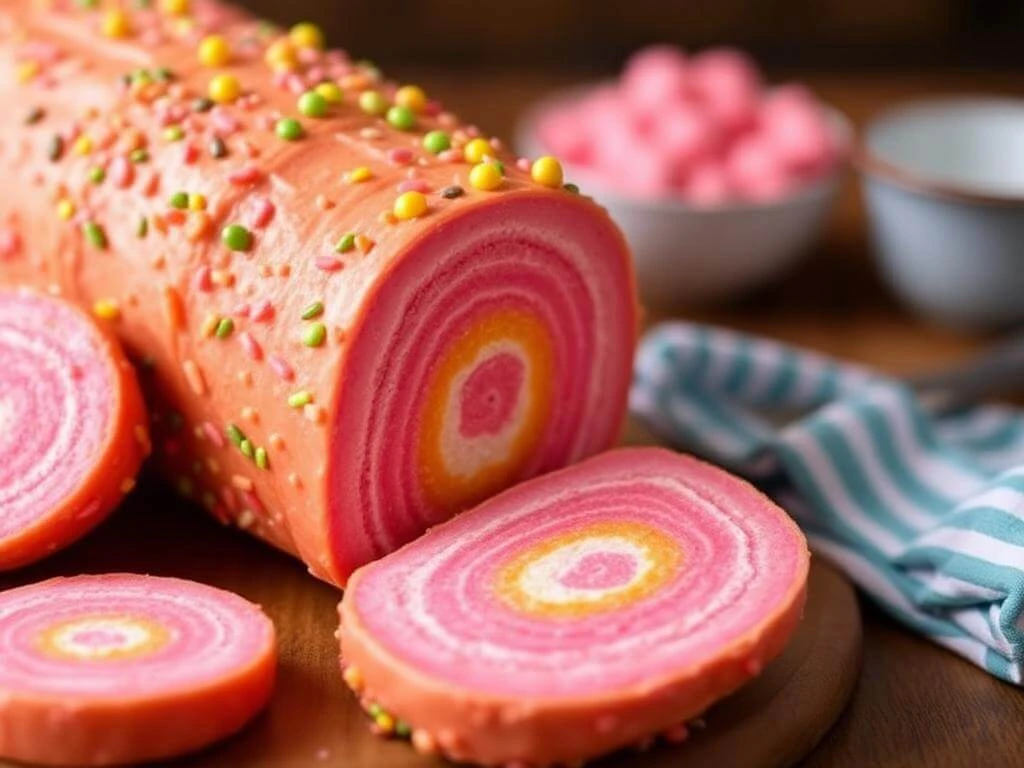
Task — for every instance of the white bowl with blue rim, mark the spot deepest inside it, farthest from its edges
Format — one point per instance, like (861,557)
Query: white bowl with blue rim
(943,184)
(686,254)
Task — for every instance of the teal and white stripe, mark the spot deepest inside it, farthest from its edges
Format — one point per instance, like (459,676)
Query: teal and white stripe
(924,511)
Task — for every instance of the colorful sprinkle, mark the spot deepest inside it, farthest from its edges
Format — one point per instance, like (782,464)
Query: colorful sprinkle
(179,200)
(116,24)
(235,435)
(410,205)
(485,176)
(34,115)
(280,56)
(313,310)
(94,234)
(173,133)
(307,35)
(97,174)
(312,104)
(214,51)
(346,243)
(225,328)
(65,209)
(300,399)
(175,7)
(359,175)
(224,89)
(196,202)
(411,97)
(55,148)
(547,172)
(261,459)
(106,309)
(452,192)
(436,142)
(236,237)
(373,103)
(476,150)
(289,129)
(330,92)
(402,118)
(314,335)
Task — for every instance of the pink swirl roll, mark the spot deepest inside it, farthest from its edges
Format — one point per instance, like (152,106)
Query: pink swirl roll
(107,670)
(72,425)
(577,613)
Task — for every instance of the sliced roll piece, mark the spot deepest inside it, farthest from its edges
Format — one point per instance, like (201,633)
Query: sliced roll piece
(72,425)
(121,668)
(580,612)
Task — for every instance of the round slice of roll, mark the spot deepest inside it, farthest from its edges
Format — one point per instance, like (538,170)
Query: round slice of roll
(122,668)
(582,611)
(72,425)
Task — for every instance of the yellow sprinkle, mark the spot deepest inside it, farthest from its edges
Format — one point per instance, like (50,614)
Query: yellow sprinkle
(485,176)
(331,92)
(106,309)
(224,89)
(476,150)
(127,485)
(359,175)
(175,7)
(280,55)
(174,309)
(547,172)
(307,35)
(116,24)
(27,70)
(194,377)
(65,209)
(82,145)
(385,722)
(410,205)
(353,678)
(209,326)
(214,51)
(412,97)
(241,482)
(197,202)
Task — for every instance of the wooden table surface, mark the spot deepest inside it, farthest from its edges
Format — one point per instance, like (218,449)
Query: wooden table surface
(915,705)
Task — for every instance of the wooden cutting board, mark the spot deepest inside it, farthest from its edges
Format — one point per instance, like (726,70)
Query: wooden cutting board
(314,720)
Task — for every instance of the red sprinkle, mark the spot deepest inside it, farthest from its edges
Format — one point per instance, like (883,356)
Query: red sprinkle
(248,174)
(121,172)
(190,154)
(262,311)
(328,264)
(250,345)
(400,156)
(201,280)
(281,368)
(253,502)
(213,434)
(242,310)
(260,212)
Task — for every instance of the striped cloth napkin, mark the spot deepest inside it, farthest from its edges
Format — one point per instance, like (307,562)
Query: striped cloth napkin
(923,510)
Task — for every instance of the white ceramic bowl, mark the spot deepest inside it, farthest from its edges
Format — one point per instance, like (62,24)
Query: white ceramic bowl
(686,254)
(944,189)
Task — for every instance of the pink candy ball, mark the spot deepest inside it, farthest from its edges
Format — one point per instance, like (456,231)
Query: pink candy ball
(707,185)
(654,77)
(756,170)
(684,135)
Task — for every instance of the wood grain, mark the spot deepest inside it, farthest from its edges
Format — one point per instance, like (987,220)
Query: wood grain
(313,718)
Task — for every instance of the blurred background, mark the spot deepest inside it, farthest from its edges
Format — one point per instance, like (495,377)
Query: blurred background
(489,61)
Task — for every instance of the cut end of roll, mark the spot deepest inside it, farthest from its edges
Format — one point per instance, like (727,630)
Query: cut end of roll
(584,611)
(498,348)
(73,429)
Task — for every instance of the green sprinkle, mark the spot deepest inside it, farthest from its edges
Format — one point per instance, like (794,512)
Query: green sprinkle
(88,4)
(436,142)
(289,129)
(376,710)
(499,165)
(312,104)
(301,398)
(261,458)
(235,435)
(218,148)
(174,133)
(346,243)
(372,103)
(236,237)
(139,155)
(179,200)
(402,729)
(313,310)
(55,148)
(95,235)
(224,328)
(97,175)
(142,228)
(401,118)
(314,335)
(247,448)
(141,76)
(34,115)
(163,74)
(202,105)
(572,188)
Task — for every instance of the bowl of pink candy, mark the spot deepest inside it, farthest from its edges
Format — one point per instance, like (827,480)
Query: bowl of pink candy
(719,182)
